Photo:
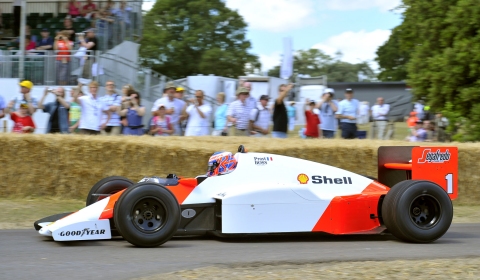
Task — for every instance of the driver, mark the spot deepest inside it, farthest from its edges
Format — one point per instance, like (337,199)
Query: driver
(221,163)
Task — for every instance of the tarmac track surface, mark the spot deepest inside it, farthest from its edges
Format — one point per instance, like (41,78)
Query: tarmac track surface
(24,254)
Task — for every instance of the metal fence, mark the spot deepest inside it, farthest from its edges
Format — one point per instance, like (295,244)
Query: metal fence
(47,67)
(58,68)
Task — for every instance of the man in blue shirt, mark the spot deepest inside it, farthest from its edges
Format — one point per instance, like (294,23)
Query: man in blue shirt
(348,111)
(46,42)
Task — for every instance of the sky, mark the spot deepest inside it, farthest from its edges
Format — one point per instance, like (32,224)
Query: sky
(354,27)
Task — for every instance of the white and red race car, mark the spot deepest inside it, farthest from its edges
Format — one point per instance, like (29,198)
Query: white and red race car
(258,193)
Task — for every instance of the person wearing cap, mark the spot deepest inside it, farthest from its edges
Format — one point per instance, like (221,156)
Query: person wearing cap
(24,97)
(328,106)
(280,116)
(179,92)
(260,118)
(161,124)
(198,116)
(239,112)
(379,114)
(348,112)
(46,42)
(58,110)
(174,106)
(90,43)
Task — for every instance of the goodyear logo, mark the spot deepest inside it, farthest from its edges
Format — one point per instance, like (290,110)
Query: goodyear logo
(303,178)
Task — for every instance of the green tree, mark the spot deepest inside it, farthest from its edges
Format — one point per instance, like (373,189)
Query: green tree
(188,37)
(315,62)
(393,56)
(444,68)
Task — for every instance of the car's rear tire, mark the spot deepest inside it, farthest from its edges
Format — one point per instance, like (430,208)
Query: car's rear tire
(417,211)
(147,215)
(109,185)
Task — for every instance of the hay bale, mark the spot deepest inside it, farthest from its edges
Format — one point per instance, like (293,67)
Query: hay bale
(68,165)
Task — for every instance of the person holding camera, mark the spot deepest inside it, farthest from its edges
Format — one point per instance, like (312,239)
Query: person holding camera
(63,46)
(198,116)
(23,98)
(328,107)
(90,44)
(58,110)
(133,112)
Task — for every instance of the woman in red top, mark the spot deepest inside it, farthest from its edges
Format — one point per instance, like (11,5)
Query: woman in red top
(23,122)
(312,120)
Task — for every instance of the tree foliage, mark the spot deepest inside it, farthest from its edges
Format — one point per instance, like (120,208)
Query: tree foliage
(393,56)
(315,62)
(440,40)
(188,37)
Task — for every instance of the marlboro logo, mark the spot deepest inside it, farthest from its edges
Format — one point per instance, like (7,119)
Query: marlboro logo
(434,157)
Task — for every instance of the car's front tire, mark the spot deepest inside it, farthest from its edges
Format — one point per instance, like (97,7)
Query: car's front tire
(109,185)
(417,211)
(147,215)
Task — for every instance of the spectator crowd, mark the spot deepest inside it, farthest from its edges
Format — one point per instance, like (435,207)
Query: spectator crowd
(104,27)
(173,114)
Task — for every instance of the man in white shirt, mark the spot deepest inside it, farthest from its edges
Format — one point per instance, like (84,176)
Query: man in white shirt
(113,101)
(92,111)
(198,116)
(175,106)
(364,117)
(379,114)
(348,111)
(260,118)
(328,106)
(239,112)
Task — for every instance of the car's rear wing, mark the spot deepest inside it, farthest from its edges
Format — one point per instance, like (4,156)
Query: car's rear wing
(435,164)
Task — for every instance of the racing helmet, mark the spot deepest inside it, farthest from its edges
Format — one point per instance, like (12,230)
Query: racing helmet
(221,163)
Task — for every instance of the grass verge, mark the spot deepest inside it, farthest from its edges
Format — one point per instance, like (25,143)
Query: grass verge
(399,269)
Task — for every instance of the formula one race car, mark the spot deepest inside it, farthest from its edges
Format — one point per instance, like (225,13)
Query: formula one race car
(257,193)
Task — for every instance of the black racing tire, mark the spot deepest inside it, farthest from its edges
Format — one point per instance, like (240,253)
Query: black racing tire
(147,215)
(417,211)
(109,185)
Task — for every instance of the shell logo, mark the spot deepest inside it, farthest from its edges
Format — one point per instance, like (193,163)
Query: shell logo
(302,178)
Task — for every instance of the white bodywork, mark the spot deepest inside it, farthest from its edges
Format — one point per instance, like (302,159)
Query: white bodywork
(81,225)
(263,196)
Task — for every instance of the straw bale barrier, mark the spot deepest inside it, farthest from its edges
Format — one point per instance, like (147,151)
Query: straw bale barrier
(68,165)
